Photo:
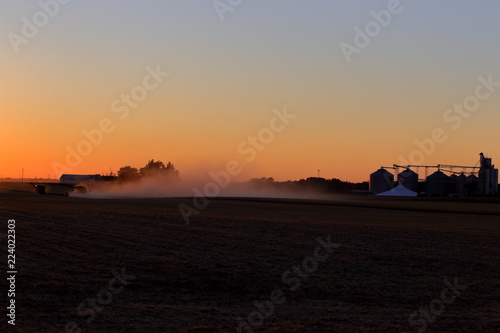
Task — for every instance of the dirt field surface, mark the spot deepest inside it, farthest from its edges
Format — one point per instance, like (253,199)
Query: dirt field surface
(253,265)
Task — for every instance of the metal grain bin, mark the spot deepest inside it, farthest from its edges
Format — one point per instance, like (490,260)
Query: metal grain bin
(381,181)
(438,184)
(409,179)
(458,184)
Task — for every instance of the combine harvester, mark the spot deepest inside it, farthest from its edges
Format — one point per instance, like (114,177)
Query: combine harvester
(67,184)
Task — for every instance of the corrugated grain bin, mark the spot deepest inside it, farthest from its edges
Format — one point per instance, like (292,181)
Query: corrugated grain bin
(471,179)
(438,184)
(381,181)
(458,184)
(409,179)
(472,185)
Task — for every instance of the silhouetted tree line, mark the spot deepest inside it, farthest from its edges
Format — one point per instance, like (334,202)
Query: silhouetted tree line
(151,169)
(315,184)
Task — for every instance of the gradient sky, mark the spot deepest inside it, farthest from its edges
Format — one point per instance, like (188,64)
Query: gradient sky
(227,76)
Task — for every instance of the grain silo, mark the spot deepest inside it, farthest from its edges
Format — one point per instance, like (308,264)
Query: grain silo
(438,184)
(472,179)
(488,177)
(472,185)
(459,184)
(381,181)
(409,179)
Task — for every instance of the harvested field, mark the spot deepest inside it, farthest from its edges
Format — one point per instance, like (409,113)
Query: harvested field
(395,257)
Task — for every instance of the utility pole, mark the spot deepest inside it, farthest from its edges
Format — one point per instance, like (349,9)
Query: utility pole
(318,173)
(22,176)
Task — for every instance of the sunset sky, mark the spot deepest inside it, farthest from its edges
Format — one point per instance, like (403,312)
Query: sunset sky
(227,76)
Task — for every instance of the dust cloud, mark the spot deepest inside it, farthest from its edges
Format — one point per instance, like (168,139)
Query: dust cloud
(193,186)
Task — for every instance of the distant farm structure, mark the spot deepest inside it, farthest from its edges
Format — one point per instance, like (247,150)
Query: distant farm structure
(79,179)
(445,181)
(67,184)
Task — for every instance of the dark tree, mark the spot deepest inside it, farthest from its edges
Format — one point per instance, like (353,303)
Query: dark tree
(109,177)
(128,173)
(158,168)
